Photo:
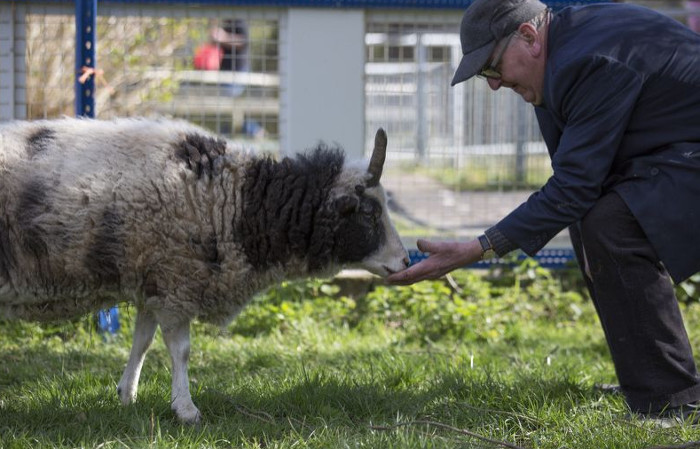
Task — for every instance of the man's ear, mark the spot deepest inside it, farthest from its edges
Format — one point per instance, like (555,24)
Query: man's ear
(532,37)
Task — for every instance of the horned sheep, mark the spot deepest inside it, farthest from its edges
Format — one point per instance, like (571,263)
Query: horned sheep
(163,215)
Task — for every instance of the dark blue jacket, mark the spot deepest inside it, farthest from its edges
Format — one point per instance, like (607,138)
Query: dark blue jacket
(621,112)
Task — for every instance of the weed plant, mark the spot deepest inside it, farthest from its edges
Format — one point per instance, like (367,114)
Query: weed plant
(506,358)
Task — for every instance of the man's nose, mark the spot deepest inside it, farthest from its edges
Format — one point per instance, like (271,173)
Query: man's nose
(494,83)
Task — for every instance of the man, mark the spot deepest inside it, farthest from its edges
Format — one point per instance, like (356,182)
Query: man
(232,37)
(616,91)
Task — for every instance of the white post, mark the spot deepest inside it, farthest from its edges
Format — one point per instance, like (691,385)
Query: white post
(458,106)
(322,64)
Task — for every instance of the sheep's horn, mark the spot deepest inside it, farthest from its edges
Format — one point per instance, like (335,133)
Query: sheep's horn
(376,163)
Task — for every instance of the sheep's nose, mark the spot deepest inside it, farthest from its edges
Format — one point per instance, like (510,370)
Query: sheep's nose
(406,261)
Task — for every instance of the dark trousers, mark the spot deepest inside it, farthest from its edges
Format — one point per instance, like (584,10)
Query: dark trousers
(637,307)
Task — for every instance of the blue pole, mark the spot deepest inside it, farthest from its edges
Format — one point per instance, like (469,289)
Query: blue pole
(85,61)
(85,64)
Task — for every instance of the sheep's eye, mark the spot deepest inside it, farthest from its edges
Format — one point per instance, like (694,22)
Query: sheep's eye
(371,209)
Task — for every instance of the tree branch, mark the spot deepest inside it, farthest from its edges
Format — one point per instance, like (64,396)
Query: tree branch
(453,429)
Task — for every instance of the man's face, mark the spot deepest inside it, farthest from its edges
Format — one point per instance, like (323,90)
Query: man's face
(521,65)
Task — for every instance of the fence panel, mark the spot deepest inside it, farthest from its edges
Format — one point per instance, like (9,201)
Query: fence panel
(152,61)
(459,158)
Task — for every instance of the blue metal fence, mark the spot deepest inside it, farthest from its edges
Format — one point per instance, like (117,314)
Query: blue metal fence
(85,69)
(85,63)
(364,4)
(547,258)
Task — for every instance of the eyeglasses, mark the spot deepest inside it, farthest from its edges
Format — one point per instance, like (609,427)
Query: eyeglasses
(490,70)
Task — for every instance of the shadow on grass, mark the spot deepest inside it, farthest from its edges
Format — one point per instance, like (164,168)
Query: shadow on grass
(70,397)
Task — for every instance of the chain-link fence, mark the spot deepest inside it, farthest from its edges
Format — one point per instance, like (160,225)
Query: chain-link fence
(460,158)
(216,67)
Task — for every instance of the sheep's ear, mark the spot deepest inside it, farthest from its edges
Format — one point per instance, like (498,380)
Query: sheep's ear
(376,163)
(346,204)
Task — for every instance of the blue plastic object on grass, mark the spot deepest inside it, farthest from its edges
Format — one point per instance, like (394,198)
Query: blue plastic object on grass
(108,321)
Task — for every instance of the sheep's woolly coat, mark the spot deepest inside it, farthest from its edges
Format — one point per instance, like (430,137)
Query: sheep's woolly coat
(160,214)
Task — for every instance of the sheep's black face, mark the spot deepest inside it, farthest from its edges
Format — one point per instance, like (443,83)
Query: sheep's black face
(360,230)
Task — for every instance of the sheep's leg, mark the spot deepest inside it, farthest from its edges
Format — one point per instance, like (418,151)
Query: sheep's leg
(177,339)
(144,330)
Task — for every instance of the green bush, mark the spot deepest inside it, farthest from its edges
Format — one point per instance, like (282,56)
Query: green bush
(473,305)
(689,291)
(283,305)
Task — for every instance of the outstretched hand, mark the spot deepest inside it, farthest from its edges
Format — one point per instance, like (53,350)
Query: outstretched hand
(443,258)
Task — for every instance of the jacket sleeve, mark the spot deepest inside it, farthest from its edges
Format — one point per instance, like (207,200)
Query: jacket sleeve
(595,99)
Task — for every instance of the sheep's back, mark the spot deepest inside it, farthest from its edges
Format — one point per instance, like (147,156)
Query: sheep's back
(94,212)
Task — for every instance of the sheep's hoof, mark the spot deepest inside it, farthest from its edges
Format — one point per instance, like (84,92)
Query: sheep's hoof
(187,413)
(125,397)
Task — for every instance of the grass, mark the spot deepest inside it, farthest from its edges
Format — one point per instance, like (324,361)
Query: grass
(304,368)
(487,173)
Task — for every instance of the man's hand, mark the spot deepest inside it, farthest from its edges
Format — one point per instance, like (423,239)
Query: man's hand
(443,258)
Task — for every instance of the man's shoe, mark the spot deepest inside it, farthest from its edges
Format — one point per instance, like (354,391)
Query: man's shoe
(687,414)
(608,388)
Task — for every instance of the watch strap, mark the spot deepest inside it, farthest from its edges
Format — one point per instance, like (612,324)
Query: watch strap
(485,244)
(487,251)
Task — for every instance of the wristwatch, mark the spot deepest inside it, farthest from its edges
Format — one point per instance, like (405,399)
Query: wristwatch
(487,251)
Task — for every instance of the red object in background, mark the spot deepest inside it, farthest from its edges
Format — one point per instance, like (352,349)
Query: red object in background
(208,57)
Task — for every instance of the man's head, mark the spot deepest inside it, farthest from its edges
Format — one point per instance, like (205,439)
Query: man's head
(487,23)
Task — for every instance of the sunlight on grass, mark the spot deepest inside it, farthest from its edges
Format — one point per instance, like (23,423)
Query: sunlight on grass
(512,359)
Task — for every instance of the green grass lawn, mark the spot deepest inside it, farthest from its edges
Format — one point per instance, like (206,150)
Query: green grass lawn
(430,366)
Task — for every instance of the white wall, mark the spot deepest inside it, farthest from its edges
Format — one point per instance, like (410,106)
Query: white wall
(322,68)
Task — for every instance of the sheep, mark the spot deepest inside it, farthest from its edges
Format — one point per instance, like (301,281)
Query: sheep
(163,215)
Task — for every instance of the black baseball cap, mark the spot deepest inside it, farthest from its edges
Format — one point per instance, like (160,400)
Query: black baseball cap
(485,22)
